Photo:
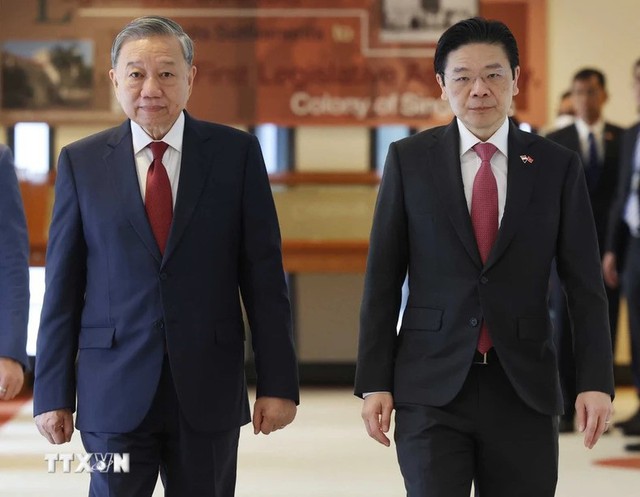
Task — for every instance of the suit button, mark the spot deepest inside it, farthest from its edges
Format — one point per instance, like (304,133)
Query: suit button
(473,322)
(163,276)
(161,325)
(484,280)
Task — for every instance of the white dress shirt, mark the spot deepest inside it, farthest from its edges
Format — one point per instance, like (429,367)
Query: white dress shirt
(171,159)
(470,162)
(632,206)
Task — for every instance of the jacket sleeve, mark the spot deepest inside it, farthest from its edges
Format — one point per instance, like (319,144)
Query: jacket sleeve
(263,286)
(57,345)
(14,264)
(384,277)
(579,267)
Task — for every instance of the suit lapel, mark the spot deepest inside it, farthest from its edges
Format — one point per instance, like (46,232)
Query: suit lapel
(119,158)
(194,169)
(520,181)
(444,160)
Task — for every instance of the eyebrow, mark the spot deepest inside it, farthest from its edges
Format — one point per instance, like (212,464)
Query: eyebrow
(460,69)
(137,63)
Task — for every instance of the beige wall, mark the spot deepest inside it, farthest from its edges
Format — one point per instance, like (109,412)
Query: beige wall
(594,33)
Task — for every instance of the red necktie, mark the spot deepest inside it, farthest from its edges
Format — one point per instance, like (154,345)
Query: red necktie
(484,217)
(157,200)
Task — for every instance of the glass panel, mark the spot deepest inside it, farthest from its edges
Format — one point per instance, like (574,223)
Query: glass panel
(31,144)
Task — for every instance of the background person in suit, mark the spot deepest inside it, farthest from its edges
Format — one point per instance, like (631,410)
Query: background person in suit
(625,230)
(598,143)
(14,280)
(472,373)
(148,302)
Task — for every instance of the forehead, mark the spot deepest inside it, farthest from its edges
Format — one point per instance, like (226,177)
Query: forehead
(476,56)
(590,82)
(164,48)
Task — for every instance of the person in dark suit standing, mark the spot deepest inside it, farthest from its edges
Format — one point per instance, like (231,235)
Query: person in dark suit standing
(598,144)
(474,212)
(624,230)
(158,226)
(14,280)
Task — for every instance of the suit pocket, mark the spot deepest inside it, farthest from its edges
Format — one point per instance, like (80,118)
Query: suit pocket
(422,318)
(96,338)
(534,329)
(230,331)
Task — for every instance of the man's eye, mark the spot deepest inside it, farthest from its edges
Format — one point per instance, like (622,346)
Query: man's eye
(135,74)
(166,75)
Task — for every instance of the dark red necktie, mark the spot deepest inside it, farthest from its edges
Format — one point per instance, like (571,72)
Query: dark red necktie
(484,217)
(157,199)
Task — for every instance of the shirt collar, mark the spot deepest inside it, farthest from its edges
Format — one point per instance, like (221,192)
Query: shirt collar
(500,138)
(584,129)
(173,137)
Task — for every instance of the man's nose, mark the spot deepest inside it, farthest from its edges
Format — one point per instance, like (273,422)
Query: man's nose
(479,87)
(151,87)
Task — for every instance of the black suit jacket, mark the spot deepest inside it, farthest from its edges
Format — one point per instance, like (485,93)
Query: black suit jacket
(602,196)
(422,226)
(112,299)
(618,233)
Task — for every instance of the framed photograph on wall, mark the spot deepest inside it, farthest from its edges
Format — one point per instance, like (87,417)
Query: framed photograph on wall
(422,21)
(47,75)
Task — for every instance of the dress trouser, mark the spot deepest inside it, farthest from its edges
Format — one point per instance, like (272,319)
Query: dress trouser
(190,463)
(487,435)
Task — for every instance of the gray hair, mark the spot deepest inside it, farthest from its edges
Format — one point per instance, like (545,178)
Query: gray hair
(148,26)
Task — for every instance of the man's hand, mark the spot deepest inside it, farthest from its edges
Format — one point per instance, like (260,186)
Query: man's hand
(272,413)
(594,411)
(376,414)
(610,269)
(11,378)
(56,426)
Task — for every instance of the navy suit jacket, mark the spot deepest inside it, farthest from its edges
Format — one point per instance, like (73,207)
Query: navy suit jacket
(112,300)
(14,264)
(422,226)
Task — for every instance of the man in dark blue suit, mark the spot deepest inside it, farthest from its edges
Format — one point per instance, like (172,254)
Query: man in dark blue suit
(158,226)
(14,281)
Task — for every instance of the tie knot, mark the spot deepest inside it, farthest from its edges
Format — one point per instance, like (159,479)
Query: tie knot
(485,150)
(158,149)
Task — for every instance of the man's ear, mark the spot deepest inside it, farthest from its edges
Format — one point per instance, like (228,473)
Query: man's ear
(440,81)
(516,75)
(113,78)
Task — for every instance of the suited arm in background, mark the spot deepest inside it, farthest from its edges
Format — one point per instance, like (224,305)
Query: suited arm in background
(14,280)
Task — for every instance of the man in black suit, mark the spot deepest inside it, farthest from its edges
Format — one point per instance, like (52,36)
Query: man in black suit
(472,373)
(158,226)
(625,227)
(598,143)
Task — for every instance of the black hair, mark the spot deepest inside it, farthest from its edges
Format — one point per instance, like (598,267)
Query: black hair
(588,73)
(476,30)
